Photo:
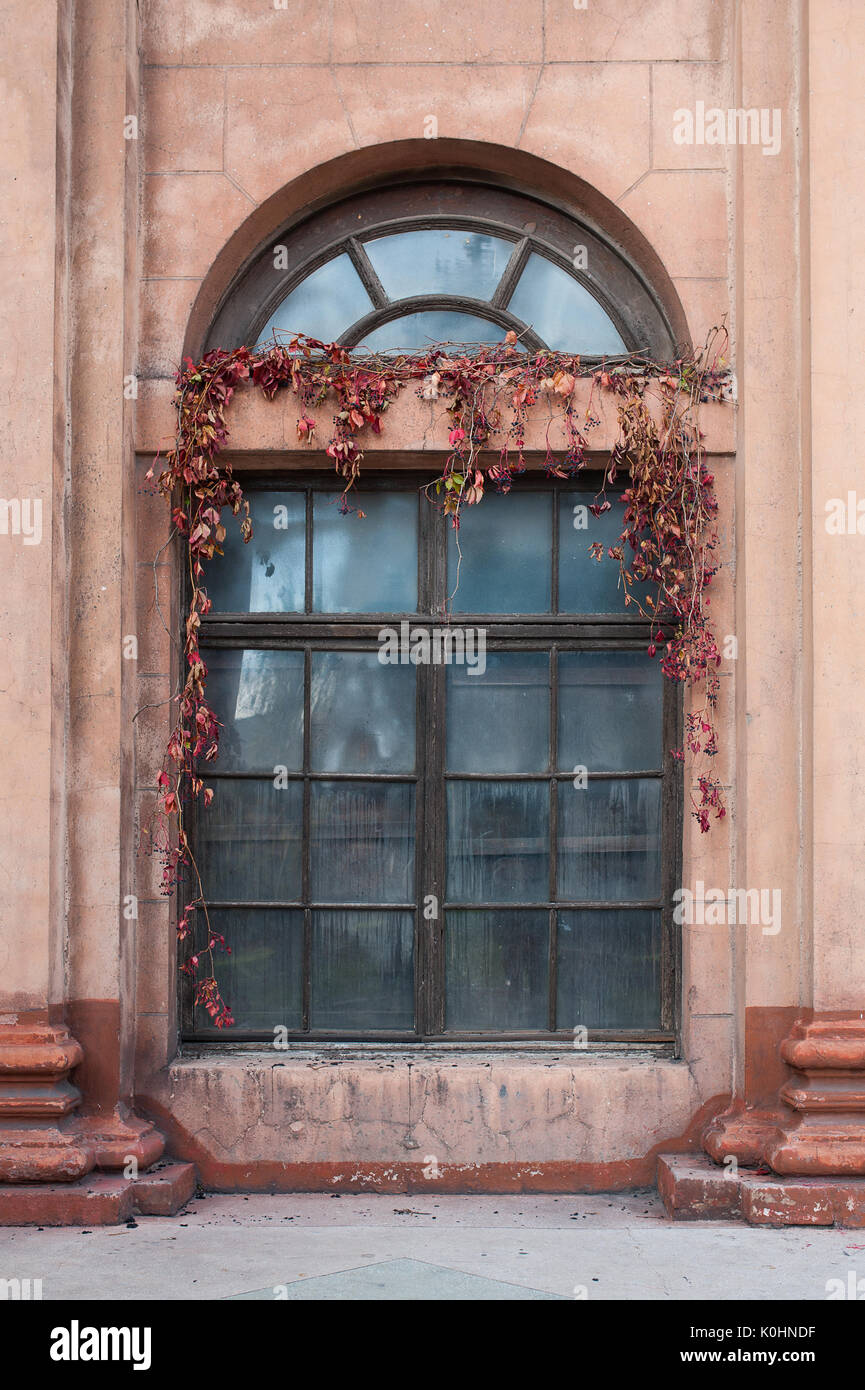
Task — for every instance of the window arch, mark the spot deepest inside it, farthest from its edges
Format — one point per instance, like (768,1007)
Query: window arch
(401,267)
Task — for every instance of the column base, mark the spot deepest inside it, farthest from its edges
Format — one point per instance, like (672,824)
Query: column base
(693,1188)
(98,1200)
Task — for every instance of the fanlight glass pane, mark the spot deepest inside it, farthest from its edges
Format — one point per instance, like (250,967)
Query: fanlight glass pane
(415,332)
(561,310)
(365,564)
(323,305)
(506,544)
(266,574)
(439,261)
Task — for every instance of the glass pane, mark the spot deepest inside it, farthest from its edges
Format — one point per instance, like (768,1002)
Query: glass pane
(262,979)
(498,849)
(249,842)
(362,842)
(506,544)
(610,841)
(323,305)
(365,564)
(362,970)
(265,576)
(362,714)
(439,261)
(561,310)
(496,964)
(415,332)
(609,711)
(609,970)
(258,698)
(587,585)
(499,719)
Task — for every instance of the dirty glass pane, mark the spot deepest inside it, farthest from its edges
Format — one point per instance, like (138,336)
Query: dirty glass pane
(249,842)
(496,970)
(365,564)
(609,969)
(362,714)
(262,978)
(439,261)
(610,841)
(587,585)
(362,842)
(609,711)
(498,719)
(267,574)
(362,970)
(506,545)
(323,305)
(258,697)
(561,310)
(497,841)
(415,332)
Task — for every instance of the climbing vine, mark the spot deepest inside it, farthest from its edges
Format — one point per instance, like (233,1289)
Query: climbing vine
(668,538)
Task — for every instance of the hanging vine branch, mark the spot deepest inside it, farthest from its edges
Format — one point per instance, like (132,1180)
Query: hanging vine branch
(667,541)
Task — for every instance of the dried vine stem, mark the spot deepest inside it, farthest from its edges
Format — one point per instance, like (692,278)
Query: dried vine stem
(667,540)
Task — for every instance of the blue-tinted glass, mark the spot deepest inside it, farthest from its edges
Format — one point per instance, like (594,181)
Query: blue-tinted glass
(262,978)
(609,711)
(498,842)
(416,332)
(365,564)
(322,306)
(362,970)
(362,842)
(249,841)
(587,585)
(258,698)
(438,261)
(609,969)
(496,970)
(362,714)
(498,720)
(610,841)
(506,544)
(562,312)
(266,575)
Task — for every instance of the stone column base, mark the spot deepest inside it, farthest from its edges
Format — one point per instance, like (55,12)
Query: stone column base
(693,1188)
(101,1199)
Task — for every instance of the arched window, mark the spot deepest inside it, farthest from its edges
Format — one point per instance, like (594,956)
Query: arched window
(403,267)
(469,835)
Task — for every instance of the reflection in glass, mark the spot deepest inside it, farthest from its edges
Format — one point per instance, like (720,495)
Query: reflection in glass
(258,698)
(587,585)
(498,849)
(249,842)
(506,542)
(362,714)
(609,711)
(267,574)
(362,970)
(262,978)
(365,564)
(362,842)
(609,969)
(414,332)
(561,310)
(610,841)
(439,261)
(496,970)
(323,305)
(499,721)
